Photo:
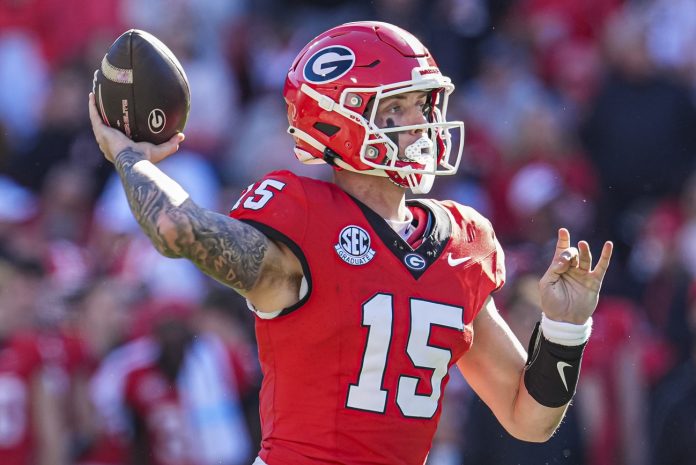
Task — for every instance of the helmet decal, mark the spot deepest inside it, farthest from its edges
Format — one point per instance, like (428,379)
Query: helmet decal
(328,64)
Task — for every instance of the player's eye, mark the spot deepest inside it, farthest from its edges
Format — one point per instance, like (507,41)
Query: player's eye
(424,104)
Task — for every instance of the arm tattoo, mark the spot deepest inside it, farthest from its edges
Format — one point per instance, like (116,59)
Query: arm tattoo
(226,249)
(222,247)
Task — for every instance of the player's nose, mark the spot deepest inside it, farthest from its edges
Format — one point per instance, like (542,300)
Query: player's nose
(415,117)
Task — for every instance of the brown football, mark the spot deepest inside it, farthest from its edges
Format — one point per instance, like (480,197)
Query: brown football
(141,88)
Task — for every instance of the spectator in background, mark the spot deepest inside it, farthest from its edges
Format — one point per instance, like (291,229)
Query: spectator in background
(680,277)
(176,393)
(21,100)
(686,239)
(110,433)
(63,28)
(656,263)
(503,92)
(159,431)
(613,397)
(639,132)
(456,29)
(99,315)
(555,28)
(32,424)
(537,197)
(547,180)
(221,382)
(675,407)
(18,206)
(59,122)
(671,36)
(225,316)
(42,43)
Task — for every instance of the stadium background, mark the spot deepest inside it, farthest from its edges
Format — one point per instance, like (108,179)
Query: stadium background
(578,114)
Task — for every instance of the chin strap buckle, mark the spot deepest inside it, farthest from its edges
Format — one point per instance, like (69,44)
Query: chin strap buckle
(330,156)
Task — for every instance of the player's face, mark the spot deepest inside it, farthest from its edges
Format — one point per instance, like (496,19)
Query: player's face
(405,109)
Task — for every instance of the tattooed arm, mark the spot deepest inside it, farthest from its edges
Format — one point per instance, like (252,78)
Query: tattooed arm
(236,254)
(232,252)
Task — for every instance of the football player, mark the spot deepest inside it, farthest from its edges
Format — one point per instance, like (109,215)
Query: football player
(364,299)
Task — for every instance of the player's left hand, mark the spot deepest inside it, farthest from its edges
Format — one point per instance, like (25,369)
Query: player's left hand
(570,287)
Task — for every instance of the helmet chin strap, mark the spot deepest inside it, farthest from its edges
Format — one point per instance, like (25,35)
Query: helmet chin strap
(425,184)
(419,183)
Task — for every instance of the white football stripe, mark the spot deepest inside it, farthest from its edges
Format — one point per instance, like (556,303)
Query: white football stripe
(115,74)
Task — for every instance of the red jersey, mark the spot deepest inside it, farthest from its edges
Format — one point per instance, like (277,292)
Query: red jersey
(155,402)
(354,372)
(20,362)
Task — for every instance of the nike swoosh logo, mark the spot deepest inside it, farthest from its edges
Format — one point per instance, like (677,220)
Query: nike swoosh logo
(456,261)
(560,366)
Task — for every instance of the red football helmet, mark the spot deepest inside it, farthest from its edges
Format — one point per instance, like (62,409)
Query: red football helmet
(333,90)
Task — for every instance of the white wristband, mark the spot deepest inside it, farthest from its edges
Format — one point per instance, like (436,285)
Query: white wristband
(565,334)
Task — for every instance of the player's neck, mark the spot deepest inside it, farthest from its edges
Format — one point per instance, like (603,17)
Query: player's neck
(380,194)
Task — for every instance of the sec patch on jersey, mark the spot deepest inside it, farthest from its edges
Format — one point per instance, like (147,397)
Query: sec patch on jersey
(141,88)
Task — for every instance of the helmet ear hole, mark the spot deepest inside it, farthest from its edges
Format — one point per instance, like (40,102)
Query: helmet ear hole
(371,153)
(326,128)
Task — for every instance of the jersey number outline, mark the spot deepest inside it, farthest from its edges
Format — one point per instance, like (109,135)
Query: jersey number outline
(377,314)
(262,195)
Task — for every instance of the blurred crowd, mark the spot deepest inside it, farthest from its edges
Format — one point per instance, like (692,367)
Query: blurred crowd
(578,113)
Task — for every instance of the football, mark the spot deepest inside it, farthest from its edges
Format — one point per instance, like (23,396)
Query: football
(141,88)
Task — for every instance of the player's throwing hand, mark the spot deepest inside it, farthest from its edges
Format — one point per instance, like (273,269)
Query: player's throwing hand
(112,142)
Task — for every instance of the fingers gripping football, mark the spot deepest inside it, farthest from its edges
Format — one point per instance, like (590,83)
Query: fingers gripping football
(570,287)
(112,142)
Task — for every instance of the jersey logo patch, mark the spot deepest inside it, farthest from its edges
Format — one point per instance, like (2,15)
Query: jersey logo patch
(414,261)
(456,261)
(329,64)
(354,245)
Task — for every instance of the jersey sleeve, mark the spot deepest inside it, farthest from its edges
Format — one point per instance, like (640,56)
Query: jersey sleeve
(476,238)
(276,205)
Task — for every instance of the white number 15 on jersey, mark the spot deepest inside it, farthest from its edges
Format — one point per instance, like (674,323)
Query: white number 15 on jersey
(377,315)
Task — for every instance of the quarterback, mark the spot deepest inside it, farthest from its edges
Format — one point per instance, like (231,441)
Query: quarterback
(364,299)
